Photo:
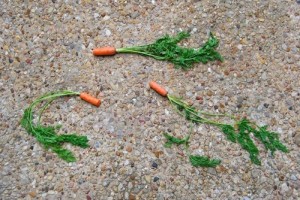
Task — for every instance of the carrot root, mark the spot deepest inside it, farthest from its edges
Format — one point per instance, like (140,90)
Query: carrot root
(157,88)
(105,51)
(90,99)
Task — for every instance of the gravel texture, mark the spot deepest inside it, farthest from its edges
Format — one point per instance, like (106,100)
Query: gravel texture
(46,46)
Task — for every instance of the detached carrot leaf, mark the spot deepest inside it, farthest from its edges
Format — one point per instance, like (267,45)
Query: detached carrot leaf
(173,140)
(203,161)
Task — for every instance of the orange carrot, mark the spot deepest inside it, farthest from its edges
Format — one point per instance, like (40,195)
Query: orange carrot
(88,98)
(104,51)
(157,88)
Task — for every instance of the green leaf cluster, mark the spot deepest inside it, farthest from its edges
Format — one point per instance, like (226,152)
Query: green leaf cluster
(173,140)
(166,48)
(203,161)
(47,135)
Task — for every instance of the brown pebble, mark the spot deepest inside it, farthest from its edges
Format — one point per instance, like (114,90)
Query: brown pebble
(199,98)
(226,72)
(132,177)
(103,167)
(281,178)
(118,153)
(32,194)
(209,93)
(157,153)
(128,149)
(131,197)
(297,139)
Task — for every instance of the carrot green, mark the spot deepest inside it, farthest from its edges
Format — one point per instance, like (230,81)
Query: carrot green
(238,132)
(47,135)
(166,49)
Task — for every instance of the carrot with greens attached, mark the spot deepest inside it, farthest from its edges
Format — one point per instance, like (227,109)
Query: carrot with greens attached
(47,135)
(166,49)
(238,132)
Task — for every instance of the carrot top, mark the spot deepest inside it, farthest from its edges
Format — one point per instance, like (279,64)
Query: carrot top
(47,135)
(166,48)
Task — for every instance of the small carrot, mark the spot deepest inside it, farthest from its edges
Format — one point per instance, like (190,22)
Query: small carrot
(88,98)
(105,51)
(157,88)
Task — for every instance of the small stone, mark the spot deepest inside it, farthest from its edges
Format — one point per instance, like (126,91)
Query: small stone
(32,194)
(297,139)
(284,188)
(105,183)
(157,153)
(50,10)
(199,98)
(226,72)
(106,17)
(154,165)
(209,93)
(264,76)
(10,60)
(88,197)
(132,177)
(128,149)
(293,177)
(107,32)
(135,14)
(131,197)
(155,179)
(148,178)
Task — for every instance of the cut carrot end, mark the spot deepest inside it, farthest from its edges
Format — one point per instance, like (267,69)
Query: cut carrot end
(157,88)
(104,51)
(90,99)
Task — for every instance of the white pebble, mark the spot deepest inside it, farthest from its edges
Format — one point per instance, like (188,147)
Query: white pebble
(107,32)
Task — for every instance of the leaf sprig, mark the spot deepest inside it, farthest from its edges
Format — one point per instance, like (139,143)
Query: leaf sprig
(166,48)
(47,135)
(240,135)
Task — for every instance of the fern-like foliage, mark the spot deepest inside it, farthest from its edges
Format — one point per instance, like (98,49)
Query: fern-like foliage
(48,135)
(166,48)
(173,140)
(203,161)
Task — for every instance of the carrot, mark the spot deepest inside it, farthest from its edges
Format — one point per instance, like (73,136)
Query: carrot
(88,98)
(104,51)
(157,88)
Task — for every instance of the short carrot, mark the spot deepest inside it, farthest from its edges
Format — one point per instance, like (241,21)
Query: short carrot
(105,51)
(159,89)
(88,98)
